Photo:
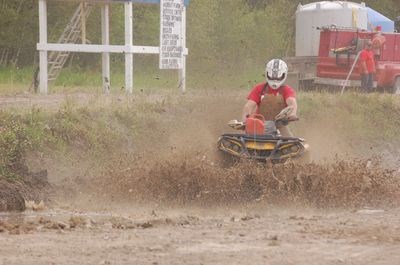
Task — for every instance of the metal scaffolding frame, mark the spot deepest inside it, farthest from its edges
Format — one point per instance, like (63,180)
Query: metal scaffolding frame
(105,48)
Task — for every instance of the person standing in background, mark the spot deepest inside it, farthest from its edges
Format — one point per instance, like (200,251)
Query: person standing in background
(377,42)
(367,67)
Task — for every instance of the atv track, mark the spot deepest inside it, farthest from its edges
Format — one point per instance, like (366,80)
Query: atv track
(172,203)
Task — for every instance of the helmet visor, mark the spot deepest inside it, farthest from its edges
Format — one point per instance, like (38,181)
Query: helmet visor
(276,78)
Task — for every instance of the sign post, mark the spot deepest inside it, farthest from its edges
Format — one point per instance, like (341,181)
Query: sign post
(128,44)
(173,38)
(43,75)
(171,34)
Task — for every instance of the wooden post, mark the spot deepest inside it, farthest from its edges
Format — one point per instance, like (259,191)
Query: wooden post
(129,44)
(105,40)
(182,72)
(43,77)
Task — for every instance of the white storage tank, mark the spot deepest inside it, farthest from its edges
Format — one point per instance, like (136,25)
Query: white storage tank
(325,13)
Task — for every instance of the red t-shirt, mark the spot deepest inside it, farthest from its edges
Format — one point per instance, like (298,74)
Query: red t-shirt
(258,91)
(367,56)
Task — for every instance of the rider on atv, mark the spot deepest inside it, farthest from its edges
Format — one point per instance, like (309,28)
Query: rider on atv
(271,97)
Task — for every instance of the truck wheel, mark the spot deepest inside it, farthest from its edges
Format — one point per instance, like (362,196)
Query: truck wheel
(396,86)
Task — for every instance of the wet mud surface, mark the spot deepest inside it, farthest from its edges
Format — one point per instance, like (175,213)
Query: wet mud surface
(253,234)
(181,213)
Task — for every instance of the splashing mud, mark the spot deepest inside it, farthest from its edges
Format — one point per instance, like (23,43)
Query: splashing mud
(196,180)
(163,153)
(176,165)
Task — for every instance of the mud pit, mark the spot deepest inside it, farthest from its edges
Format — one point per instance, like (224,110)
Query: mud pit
(169,202)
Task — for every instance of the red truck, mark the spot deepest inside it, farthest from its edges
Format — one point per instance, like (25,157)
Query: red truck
(338,49)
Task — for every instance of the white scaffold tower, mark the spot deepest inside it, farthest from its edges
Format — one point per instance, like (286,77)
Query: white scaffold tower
(172,49)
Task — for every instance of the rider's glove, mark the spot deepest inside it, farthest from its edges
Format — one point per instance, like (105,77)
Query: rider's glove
(237,125)
(285,122)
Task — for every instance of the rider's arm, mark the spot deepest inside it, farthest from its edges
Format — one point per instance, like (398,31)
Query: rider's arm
(291,101)
(249,108)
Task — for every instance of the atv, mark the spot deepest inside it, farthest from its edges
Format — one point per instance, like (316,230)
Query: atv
(262,140)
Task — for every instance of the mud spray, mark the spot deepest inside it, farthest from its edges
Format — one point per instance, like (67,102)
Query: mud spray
(185,180)
(167,154)
(177,165)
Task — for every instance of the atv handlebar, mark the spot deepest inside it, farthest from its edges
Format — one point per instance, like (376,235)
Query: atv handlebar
(294,118)
(239,125)
(284,122)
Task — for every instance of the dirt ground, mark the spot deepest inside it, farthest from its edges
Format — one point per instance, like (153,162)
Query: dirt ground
(252,234)
(181,208)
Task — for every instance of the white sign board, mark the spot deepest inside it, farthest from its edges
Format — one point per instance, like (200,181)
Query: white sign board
(171,50)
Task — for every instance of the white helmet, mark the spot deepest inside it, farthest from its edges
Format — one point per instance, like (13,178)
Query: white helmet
(276,73)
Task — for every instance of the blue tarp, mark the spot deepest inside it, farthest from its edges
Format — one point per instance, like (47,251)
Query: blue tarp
(377,19)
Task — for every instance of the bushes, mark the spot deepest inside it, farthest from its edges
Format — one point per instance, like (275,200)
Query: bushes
(13,144)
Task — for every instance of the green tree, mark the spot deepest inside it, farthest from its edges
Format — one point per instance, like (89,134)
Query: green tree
(231,35)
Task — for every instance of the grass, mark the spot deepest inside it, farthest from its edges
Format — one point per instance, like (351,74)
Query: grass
(94,129)
(16,81)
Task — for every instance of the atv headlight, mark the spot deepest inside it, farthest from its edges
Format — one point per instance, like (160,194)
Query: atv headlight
(236,148)
(294,149)
(226,143)
(285,151)
(233,146)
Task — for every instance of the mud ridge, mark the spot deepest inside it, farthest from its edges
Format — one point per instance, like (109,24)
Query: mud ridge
(29,186)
